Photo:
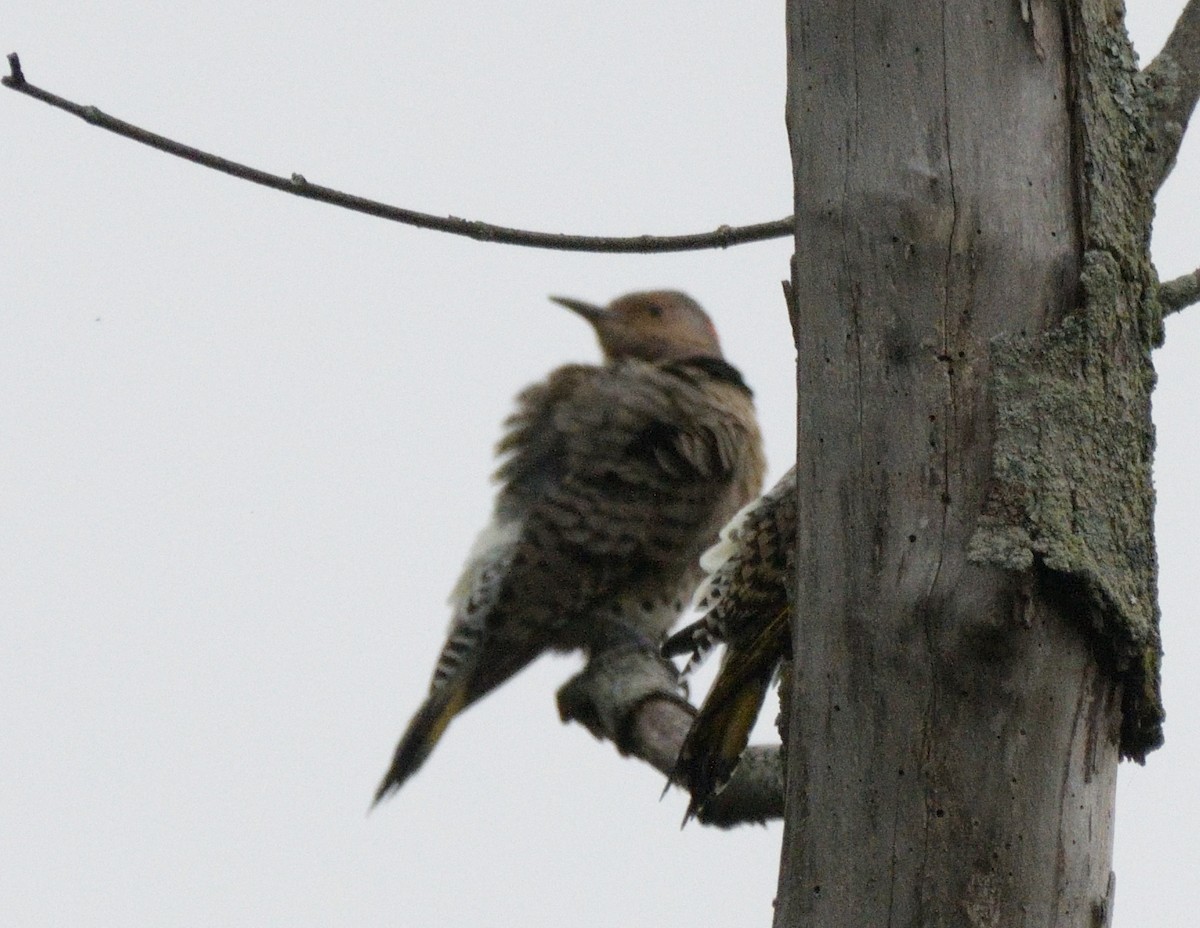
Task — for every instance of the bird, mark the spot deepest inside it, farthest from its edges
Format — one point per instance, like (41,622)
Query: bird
(613,479)
(746,601)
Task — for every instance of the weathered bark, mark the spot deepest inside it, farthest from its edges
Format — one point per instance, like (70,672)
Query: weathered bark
(975,635)
(1170,85)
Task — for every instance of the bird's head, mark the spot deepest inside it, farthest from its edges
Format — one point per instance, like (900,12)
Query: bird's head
(657,325)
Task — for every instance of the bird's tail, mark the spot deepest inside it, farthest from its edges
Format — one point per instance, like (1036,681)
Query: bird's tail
(696,640)
(721,730)
(423,732)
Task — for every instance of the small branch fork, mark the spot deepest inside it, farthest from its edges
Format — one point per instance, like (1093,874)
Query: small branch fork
(722,237)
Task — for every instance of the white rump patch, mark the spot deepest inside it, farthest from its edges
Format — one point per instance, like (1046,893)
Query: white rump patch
(715,558)
(491,546)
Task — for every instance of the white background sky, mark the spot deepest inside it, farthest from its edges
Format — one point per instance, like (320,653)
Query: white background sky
(245,442)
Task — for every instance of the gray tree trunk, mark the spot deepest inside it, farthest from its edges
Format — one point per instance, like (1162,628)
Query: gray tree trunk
(975,632)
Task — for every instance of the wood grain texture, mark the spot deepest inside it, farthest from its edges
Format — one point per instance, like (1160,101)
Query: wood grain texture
(953,740)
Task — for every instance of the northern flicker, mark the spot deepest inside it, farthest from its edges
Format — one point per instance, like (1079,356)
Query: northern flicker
(747,607)
(613,479)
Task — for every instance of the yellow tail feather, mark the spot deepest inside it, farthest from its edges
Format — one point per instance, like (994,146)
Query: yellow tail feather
(721,730)
(422,734)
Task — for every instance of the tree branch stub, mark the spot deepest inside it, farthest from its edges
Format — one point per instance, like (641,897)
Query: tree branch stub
(1169,87)
(1180,293)
(634,698)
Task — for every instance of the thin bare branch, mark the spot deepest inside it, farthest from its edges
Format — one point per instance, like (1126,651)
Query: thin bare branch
(1179,293)
(297,185)
(633,698)
(1171,83)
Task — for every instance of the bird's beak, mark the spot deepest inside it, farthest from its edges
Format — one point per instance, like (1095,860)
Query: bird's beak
(589,311)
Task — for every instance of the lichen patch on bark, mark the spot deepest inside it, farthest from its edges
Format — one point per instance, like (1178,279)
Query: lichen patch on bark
(1072,489)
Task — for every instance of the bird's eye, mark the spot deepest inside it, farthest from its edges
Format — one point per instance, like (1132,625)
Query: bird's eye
(655,311)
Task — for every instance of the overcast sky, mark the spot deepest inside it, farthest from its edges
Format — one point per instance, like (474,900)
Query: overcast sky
(246,442)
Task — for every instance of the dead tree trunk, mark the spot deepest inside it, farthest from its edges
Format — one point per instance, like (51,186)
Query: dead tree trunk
(976,629)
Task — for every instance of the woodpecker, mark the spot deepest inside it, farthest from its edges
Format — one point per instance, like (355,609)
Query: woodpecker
(613,479)
(747,607)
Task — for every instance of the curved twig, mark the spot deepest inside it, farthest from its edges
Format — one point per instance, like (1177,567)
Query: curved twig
(297,185)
